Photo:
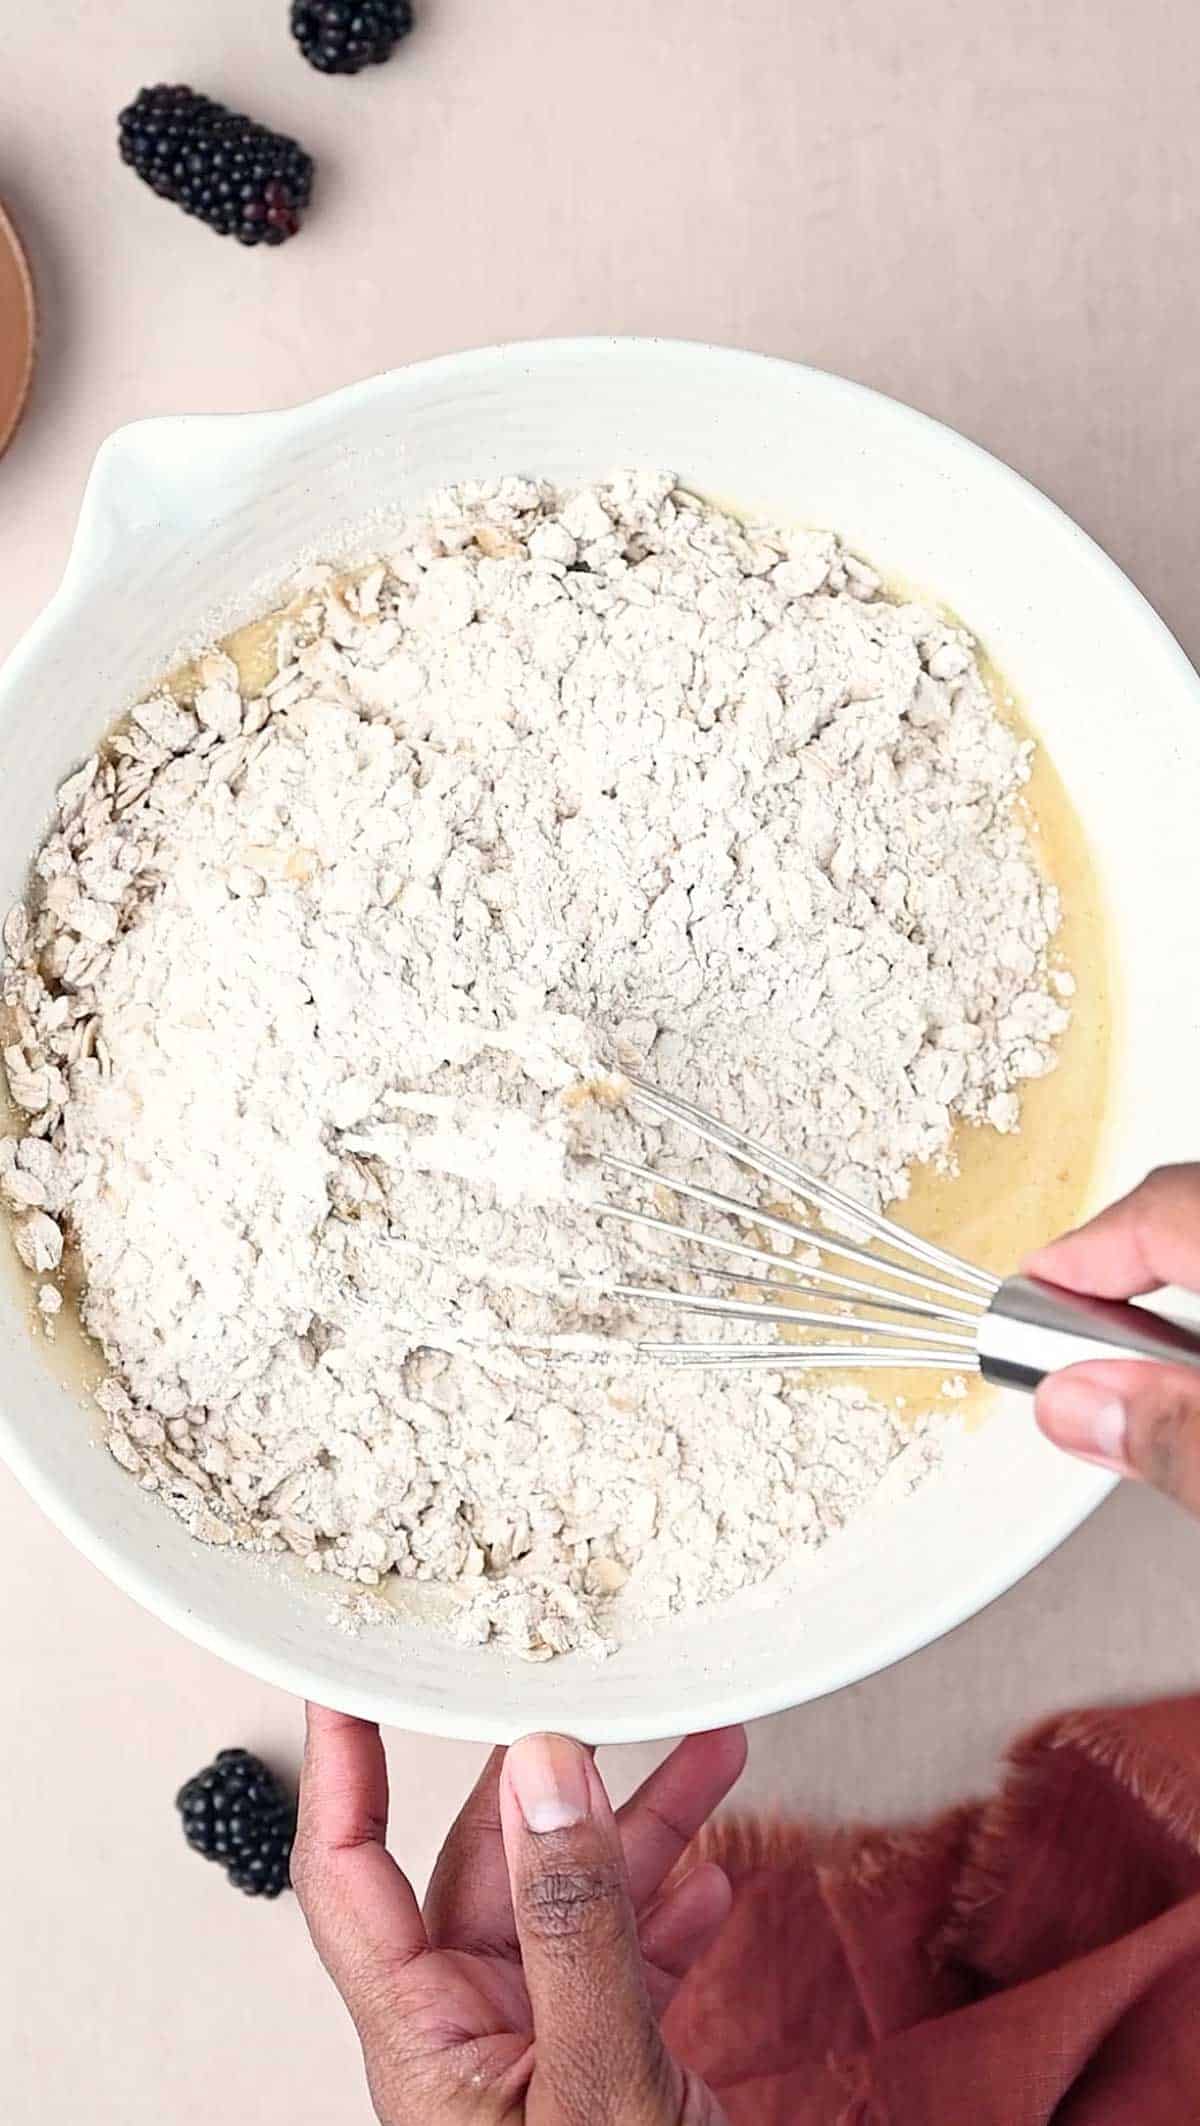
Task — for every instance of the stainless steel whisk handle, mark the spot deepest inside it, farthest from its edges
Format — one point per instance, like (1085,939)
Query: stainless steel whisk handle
(1031,1329)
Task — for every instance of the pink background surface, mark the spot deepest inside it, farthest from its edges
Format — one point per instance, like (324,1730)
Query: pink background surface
(989,211)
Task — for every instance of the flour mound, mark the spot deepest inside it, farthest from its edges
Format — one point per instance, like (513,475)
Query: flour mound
(320,996)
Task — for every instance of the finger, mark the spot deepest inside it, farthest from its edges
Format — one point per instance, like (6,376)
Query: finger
(468,1904)
(659,1822)
(1131,1416)
(598,2054)
(677,1930)
(361,1913)
(1150,1238)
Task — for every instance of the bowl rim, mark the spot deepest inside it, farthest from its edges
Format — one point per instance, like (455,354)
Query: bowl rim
(720,1701)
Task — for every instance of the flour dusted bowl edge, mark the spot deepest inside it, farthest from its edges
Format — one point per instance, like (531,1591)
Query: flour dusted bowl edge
(187,526)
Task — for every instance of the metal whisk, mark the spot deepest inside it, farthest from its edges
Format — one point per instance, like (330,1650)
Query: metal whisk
(918,1306)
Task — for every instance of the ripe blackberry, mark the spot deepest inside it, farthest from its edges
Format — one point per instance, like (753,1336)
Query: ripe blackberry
(344,36)
(239,177)
(236,1812)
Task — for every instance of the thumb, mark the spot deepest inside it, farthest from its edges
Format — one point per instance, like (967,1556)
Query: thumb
(1132,1416)
(598,2054)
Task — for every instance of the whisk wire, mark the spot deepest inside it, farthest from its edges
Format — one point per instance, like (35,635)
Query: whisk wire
(792,1317)
(913,1303)
(793,1358)
(805,1236)
(839,1291)
(772,1166)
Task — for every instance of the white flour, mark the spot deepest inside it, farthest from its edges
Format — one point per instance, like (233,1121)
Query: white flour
(319,993)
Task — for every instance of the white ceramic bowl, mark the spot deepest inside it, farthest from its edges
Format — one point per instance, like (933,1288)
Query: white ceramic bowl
(181,515)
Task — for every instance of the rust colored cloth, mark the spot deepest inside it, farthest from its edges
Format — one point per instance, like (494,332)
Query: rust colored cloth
(1034,1958)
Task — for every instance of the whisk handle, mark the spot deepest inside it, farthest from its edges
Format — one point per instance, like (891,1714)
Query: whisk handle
(1031,1329)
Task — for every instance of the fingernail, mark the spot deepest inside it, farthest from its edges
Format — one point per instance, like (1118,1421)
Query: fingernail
(550,1780)
(1087,1420)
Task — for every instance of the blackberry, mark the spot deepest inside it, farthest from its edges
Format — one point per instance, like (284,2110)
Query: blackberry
(237,176)
(236,1812)
(344,36)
